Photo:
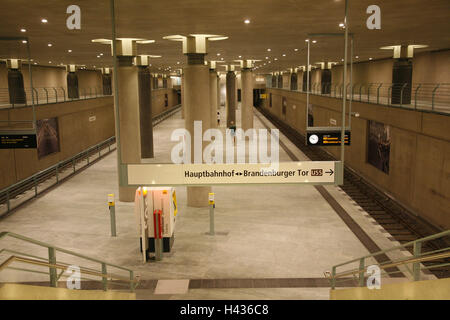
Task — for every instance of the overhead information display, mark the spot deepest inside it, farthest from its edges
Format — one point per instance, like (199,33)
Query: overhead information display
(326,138)
(304,172)
(18,141)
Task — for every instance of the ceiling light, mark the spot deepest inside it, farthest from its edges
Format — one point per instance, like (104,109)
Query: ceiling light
(357,57)
(70,50)
(270,61)
(49,44)
(35,63)
(314,41)
(370,58)
(284,55)
(23,30)
(49,62)
(295,49)
(240,56)
(221,58)
(307,40)
(275,59)
(342,25)
(269,50)
(44,20)
(218,54)
(101,54)
(178,62)
(246,21)
(98,56)
(267,58)
(24,41)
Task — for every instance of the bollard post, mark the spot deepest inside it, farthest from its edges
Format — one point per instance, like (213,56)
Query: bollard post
(112,213)
(158,234)
(211,213)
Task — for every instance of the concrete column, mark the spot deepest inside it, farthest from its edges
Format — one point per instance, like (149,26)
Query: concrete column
(197,82)
(145,107)
(247,95)
(280,80)
(325,78)
(231,98)
(106,81)
(213,97)
(299,80)
(294,80)
(402,75)
(182,97)
(16,87)
(129,119)
(218,91)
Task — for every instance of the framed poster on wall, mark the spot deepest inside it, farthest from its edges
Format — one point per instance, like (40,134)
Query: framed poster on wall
(47,136)
(379,145)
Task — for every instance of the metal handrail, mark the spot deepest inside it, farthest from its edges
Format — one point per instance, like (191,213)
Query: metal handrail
(52,264)
(417,247)
(434,97)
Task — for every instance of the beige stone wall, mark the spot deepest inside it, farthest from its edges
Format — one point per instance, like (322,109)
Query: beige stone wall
(419,176)
(76,132)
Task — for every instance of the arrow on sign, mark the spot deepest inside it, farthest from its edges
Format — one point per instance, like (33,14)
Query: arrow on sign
(330,172)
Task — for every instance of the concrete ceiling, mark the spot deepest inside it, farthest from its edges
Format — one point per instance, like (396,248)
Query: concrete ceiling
(281,25)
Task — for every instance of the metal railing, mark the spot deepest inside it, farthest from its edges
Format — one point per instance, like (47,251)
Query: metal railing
(418,96)
(44,95)
(52,265)
(388,267)
(15,195)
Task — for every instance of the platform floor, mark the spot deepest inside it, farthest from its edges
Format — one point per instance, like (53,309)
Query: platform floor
(263,232)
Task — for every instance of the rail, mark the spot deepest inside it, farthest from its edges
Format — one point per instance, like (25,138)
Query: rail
(50,262)
(441,256)
(434,97)
(44,95)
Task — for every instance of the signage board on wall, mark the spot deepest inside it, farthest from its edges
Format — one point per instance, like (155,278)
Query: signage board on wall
(18,141)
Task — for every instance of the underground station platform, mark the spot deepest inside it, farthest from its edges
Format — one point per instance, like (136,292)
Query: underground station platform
(233,155)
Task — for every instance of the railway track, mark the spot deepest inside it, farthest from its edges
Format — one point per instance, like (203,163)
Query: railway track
(403,225)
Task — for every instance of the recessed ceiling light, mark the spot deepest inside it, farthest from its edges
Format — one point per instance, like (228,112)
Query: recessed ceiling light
(370,58)
(240,56)
(221,58)
(275,59)
(23,30)
(49,44)
(35,63)
(307,40)
(98,56)
(342,25)
(101,54)
(267,58)
(218,54)
(357,57)
(178,62)
(284,55)
(269,50)
(247,21)
(24,41)
(70,50)
(314,41)
(295,49)
(49,62)
(44,20)
(270,61)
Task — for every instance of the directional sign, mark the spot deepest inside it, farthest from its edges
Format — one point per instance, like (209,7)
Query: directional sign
(18,141)
(326,138)
(303,172)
